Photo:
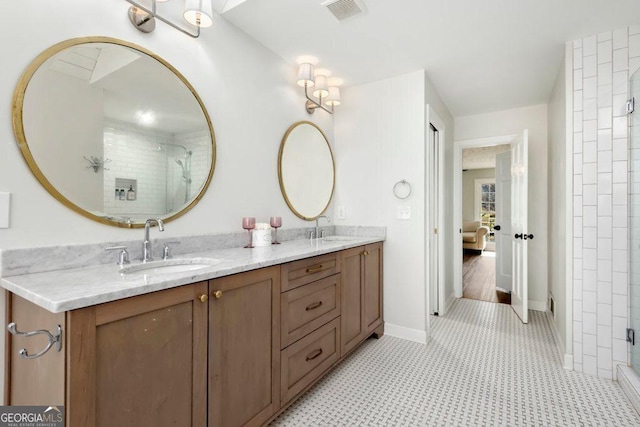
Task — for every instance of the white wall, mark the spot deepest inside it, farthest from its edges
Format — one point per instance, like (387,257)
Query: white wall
(380,140)
(557,189)
(248,91)
(602,65)
(469,190)
(510,122)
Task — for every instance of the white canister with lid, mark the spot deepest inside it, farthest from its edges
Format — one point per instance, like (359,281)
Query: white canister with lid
(261,235)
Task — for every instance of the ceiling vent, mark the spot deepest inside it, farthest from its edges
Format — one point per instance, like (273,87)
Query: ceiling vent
(343,10)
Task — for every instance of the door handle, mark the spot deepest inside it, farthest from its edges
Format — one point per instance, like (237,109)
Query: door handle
(528,236)
(518,236)
(497,228)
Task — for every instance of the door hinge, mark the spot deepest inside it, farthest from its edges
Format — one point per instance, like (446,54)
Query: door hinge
(435,231)
(631,336)
(631,105)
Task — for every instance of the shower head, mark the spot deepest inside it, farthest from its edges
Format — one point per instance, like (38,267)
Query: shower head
(178,161)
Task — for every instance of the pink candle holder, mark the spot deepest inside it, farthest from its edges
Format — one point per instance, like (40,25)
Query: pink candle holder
(275,222)
(249,223)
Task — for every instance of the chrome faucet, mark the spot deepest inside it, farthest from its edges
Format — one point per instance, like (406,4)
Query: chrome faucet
(317,231)
(146,244)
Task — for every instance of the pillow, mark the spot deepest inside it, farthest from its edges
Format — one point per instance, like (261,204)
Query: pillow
(470,226)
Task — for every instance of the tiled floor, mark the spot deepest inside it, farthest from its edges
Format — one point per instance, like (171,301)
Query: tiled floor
(481,367)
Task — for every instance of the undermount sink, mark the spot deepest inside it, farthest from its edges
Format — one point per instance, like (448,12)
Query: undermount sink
(168,266)
(339,238)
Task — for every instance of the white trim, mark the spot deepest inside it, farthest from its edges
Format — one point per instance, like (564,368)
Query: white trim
(450,300)
(457,200)
(630,385)
(568,220)
(538,305)
(568,362)
(567,359)
(408,334)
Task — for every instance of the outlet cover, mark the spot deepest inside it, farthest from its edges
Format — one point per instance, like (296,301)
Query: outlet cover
(5,208)
(342,212)
(404,212)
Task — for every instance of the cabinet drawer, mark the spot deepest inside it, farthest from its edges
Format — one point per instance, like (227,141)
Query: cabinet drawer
(298,273)
(305,360)
(306,308)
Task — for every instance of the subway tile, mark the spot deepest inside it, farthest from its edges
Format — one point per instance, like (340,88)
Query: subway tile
(590,259)
(604,181)
(577,288)
(604,249)
(589,195)
(606,374)
(589,328)
(604,314)
(604,139)
(620,38)
(577,79)
(577,180)
(620,83)
(619,194)
(589,309)
(590,173)
(619,127)
(605,164)
(605,50)
(590,45)
(577,58)
(605,117)
(590,283)
(604,270)
(620,348)
(605,358)
(577,331)
(578,356)
(577,141)
(619,105)
(577,253)
(577,43)
(590,238)
(620,59)
(590,130)
(577,310)
(619,238)
(605,95)
(577,268)
(604,292)
(605,74)
(619,172)
(589,153)
(619,215)
(619,304)
(619,284)
(590,87)
(634,29)
(620,261)
(577,100)
(634,46)
(605,36)
(589,343)
(604,338)
(577,121)
(634,65)
(589,109)
(590,216)
(620,151)
(605,231)
(604,205)
(577,205)
(619,325)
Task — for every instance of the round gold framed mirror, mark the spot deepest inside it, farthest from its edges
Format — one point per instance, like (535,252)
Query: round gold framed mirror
(113,131)
(306,170)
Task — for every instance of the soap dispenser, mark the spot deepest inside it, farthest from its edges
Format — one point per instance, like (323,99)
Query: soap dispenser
(131,193)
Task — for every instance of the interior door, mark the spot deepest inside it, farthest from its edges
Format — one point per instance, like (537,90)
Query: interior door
(519,231)
(502,228)
(432,228)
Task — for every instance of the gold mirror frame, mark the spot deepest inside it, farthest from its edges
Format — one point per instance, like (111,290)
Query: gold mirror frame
(18,126)
(280,179)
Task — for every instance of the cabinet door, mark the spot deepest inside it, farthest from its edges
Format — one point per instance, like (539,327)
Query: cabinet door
(244,348)
(372,287)
(352,325)
(140,361)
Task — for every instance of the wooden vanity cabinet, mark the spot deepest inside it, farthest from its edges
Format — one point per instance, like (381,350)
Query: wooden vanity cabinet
(244,348)
(361,294)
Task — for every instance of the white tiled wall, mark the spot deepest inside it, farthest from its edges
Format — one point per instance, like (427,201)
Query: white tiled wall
(602,65)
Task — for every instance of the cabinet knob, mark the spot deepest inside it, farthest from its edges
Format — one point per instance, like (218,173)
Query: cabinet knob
(203,298)
(217,294)
(365,253)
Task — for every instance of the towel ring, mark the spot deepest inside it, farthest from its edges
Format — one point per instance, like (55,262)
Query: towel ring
(402,189)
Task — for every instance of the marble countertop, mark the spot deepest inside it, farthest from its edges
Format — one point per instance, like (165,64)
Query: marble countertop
(70,289)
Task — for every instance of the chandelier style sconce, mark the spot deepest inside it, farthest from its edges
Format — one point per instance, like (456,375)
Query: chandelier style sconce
(196,13)
(322,95)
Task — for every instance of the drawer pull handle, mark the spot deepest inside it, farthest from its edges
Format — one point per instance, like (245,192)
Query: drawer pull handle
(314,306)
(365,253)
(314,354)
(314,269)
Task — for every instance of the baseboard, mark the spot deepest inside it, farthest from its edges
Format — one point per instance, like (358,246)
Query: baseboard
(408,334)
(567,359)
(537,305)
(449,301)
(630,384)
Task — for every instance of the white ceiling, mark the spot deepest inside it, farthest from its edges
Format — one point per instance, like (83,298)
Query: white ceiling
(482,55)
(482,157)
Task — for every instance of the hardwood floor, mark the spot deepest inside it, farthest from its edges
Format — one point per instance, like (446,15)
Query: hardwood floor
(479,278)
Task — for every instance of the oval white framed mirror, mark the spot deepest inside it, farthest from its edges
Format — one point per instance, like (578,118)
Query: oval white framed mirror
(306,170)
(113,131)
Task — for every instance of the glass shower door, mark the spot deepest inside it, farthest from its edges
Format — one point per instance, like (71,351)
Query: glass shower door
(634,220)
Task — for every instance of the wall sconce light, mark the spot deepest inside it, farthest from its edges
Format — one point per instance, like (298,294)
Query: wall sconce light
(197,14)
(322,96)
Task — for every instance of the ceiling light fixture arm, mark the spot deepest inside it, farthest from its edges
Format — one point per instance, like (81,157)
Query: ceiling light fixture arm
(311,104)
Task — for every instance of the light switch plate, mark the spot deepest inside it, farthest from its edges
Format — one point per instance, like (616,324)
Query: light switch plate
(404,212)
(5,208)
(342,212)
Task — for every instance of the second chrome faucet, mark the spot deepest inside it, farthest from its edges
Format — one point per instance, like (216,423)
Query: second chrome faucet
(146,244)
